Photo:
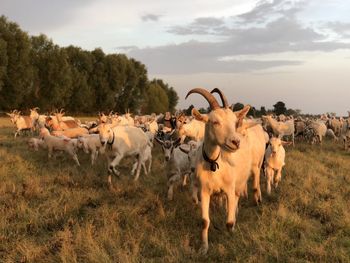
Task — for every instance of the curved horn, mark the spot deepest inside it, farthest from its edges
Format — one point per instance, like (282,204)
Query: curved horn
(61,110)
(208,96)
(222,97)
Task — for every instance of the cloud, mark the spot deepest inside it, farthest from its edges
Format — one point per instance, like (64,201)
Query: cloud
(150,17)
(281,35)
(264,10)
(200,26)
(340,28)
(41,15)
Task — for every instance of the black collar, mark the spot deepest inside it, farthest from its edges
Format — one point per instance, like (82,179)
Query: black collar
(213,164)
(111,143)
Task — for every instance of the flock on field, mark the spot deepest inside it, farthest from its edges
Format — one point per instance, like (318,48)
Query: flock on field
(216,152)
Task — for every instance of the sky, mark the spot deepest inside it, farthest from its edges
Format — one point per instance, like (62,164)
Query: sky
(257,52)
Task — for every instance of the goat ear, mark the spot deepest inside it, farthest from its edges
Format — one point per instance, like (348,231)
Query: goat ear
(199,117)
(246,125)
(284,143)
(184,150)
(159,141)
(177,142)
(241,114)
(9,114)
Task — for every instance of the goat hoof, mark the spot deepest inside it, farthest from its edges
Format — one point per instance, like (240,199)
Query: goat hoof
(203,250)
(230,226)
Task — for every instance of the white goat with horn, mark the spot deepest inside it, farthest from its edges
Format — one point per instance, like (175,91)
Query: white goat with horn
(232,149)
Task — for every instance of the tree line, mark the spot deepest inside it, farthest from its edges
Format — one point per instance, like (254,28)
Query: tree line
(36,72)
(278,108)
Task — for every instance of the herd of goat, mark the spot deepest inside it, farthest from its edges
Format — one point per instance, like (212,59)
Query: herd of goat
(216,152)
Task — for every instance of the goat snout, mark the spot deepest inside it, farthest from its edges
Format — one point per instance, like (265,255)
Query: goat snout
(103,143)
(167,158)
(193,169)
(236,142)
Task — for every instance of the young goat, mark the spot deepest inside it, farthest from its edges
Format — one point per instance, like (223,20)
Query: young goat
(274,161)
(177,163)
(54,143)
(91,143)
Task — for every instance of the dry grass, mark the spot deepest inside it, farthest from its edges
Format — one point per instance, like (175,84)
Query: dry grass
(51,211)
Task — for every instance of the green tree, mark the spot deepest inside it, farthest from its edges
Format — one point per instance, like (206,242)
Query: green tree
(16,70)
(83,96)
(157,99)
(53,82)
(3,62)
(104,97)
(173,98)
(237,106)
(279,108)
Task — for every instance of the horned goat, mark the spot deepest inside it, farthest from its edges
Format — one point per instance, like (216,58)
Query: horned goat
(231,151)
(122,141)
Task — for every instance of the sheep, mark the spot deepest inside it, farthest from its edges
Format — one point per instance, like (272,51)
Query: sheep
(54,143)
(274,161)
(91,143)
(71,133)
(232,149)
(23,123)
(122,141)
(281,129)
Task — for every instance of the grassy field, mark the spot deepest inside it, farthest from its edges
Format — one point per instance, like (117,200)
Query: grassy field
(52,211)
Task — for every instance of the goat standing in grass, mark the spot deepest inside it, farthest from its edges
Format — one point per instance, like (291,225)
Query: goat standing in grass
(274,161)
(281,129)
(23,123)
(122,141)
(54,143)
(232,149)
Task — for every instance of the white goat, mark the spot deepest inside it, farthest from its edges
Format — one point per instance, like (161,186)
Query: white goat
(23,123)
(346,140)
(330,134)
(91,144)
(71,133)
(36,143)
(146,157)
(281,129)
(54,143)
(122,141)
(193,129)
(274,161)
(231,151)
(177,163)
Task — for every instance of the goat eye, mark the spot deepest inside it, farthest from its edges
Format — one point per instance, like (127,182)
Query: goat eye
(216,123)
